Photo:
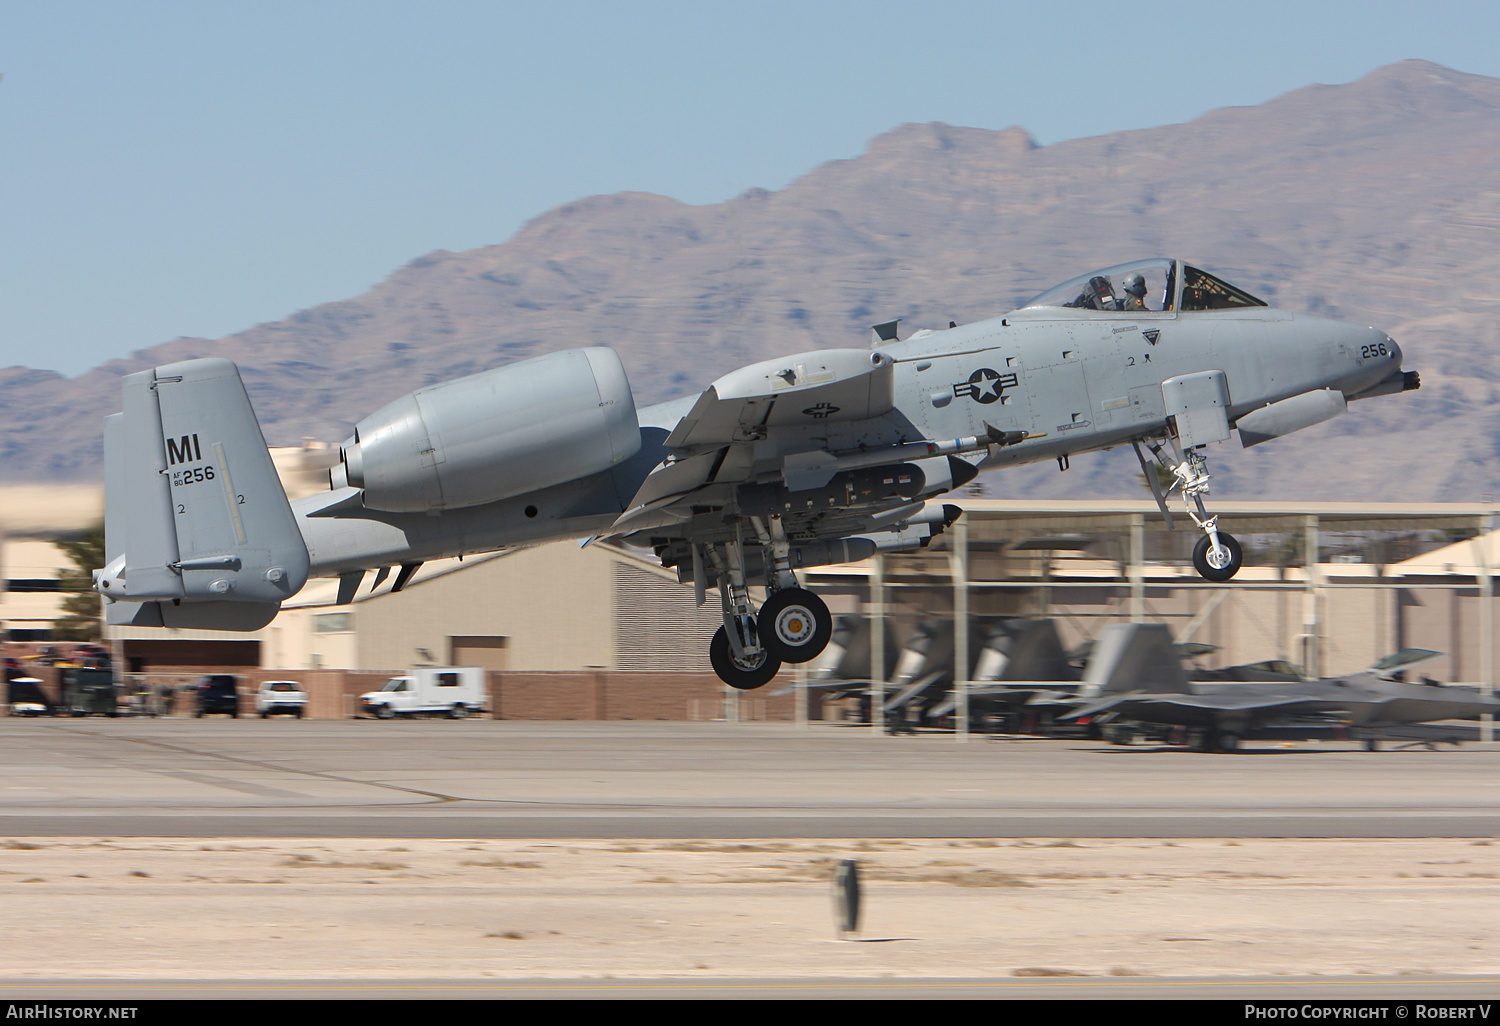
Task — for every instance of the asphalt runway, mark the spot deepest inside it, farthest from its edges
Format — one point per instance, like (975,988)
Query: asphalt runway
(512,779)
(1399,994)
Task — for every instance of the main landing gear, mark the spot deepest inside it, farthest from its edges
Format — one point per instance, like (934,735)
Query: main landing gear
(795,625)
(1217,556)
(792,626)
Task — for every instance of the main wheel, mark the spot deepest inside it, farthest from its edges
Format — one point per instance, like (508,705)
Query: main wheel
(384,712)
(1220,564)
(459,712)
(795,625)
(745,676)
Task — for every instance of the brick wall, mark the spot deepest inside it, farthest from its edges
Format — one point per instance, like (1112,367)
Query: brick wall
(624,695)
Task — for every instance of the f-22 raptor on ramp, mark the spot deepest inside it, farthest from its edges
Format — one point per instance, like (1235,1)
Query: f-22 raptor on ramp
(1135,673)
(804,460)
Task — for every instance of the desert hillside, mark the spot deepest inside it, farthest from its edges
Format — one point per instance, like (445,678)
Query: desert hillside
(1376,201)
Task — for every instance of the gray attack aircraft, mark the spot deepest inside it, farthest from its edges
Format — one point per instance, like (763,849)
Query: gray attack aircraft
(805,460)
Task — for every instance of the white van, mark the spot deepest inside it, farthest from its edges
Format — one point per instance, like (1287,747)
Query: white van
(453,691)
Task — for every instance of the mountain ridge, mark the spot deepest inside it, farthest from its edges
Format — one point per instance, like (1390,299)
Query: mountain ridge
(1371,201)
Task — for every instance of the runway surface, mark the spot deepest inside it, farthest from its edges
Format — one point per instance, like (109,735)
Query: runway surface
(1391,990)
(488,779)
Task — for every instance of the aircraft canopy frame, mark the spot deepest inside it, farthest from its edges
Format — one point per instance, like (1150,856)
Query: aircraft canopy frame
(1172,286)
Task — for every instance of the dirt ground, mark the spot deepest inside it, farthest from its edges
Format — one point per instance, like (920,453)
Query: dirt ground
(391,909)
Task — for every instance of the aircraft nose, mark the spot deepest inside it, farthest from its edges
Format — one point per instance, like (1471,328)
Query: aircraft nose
(1374,348)
(1379,359)
(1374,343)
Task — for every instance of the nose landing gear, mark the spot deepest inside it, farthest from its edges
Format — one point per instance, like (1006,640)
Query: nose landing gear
(1217,562)
(1217,556)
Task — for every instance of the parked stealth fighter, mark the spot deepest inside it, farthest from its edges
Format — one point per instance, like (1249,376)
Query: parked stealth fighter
(816,458)
(1135,673)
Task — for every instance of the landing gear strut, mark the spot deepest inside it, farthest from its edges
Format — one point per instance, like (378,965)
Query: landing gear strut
(793,625)
(1217,556)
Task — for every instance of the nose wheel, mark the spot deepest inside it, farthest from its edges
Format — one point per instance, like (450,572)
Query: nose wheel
(1217,555)
(1217,562)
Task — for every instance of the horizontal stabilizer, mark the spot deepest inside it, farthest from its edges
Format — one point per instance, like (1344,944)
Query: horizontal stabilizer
(205,616)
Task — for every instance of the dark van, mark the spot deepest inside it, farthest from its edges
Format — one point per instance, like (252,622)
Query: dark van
(218,693)
(89,691)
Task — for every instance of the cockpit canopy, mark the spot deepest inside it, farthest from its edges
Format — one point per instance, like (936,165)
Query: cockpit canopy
(1157,285)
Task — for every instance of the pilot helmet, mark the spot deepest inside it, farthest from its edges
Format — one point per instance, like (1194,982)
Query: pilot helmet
(1135,283)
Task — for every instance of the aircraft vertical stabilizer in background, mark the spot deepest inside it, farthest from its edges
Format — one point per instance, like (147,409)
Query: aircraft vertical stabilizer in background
(803,460)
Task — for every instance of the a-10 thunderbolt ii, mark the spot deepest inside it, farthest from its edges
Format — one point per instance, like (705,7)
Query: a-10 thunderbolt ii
(798,461)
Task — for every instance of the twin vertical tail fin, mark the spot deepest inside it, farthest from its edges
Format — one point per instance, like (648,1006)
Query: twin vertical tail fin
(198,530)
(1135,657)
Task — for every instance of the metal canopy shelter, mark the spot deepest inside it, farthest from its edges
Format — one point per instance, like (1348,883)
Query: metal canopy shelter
(1018,546)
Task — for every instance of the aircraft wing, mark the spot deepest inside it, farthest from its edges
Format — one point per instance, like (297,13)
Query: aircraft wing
(827,386)
(1172,707)
(1028,696)
(853,687)
(715,442)
(814,440)
(1407,708)
(914,689)
(665,497)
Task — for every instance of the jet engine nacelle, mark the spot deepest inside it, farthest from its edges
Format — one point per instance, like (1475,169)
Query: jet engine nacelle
(495,435)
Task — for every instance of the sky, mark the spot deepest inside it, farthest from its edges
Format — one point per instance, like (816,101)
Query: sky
(175,169)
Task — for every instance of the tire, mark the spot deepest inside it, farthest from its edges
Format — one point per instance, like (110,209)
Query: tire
(459,712)
(384,712)
(795,625)
(1221,573)
(299,712)
(737,675)
(1228,741)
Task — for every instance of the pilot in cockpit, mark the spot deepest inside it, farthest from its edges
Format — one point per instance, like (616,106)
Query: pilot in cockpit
(1135,292)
